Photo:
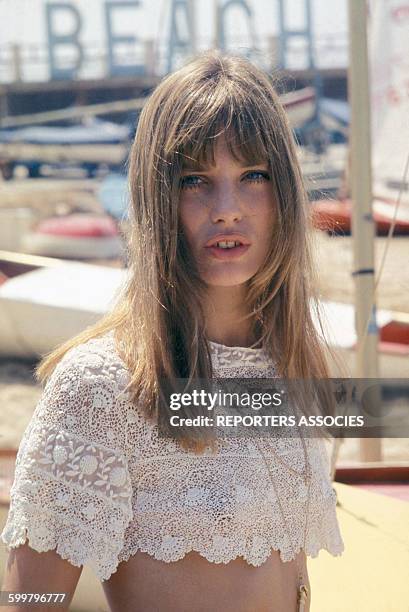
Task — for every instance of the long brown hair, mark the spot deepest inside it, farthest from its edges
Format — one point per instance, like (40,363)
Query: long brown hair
(158,320)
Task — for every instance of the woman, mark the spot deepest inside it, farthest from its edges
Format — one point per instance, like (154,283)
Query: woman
(219,286)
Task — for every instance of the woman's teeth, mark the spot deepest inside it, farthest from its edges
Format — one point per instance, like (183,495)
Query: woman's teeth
(227,244)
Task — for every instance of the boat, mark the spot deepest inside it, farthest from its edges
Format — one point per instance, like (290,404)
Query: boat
(388,51)
(335,216)
(99,142)
(75,236)
(45,301)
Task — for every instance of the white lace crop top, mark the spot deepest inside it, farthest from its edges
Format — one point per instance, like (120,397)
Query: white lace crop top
(95,482)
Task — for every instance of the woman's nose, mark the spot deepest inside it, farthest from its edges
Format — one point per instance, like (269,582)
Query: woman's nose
(226,205)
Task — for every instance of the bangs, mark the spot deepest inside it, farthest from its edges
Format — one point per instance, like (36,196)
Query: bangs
(236,122)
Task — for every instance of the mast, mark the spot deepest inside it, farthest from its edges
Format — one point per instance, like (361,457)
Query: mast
(363,227)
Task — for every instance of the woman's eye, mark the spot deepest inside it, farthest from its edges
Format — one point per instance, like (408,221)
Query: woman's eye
(257,176)
(190,182)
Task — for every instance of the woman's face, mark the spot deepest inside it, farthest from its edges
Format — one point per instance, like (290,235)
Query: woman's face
(223,205)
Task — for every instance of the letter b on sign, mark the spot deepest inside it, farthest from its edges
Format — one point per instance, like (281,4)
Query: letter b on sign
(64,48)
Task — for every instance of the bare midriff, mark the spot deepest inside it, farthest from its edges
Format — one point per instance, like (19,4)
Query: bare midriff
(193,584)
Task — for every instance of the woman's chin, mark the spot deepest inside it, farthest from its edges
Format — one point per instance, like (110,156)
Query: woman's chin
(225,280)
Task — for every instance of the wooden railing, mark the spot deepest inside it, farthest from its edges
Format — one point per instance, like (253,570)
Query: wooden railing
(30,62)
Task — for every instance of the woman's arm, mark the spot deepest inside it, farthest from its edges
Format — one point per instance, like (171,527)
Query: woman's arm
(28,571)
(71,498)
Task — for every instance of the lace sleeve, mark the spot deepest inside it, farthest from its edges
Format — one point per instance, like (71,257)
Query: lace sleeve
(72,489)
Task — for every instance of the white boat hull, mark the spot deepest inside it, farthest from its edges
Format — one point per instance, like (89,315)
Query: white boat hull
(68,247)
(45,307)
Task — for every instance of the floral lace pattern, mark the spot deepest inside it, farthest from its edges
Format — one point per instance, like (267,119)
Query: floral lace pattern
(96,482)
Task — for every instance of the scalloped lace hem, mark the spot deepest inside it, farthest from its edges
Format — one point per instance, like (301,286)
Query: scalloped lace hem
(68,550)
(335,549)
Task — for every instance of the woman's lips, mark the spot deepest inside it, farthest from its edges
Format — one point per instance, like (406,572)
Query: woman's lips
(233,253)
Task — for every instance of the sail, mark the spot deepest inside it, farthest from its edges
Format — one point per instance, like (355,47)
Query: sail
(389,65)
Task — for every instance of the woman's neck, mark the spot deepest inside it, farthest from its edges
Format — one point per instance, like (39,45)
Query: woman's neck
(224,310)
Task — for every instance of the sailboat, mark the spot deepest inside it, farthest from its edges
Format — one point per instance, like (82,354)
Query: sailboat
(389,69)
(372,496)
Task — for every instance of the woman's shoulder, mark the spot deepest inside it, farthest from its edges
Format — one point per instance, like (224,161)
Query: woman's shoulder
(95,362)
(83,391)
(98,354)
